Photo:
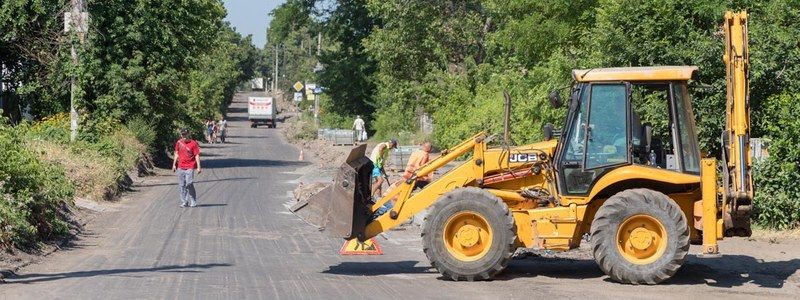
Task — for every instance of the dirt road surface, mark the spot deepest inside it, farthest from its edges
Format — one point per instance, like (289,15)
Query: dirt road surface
(242,243)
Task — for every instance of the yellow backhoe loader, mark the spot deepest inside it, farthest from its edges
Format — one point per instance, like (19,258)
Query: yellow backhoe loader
(626,173)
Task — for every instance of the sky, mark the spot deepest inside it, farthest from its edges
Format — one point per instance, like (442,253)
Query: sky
(251,17)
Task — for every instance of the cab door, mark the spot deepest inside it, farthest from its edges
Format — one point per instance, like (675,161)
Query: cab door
(597,138)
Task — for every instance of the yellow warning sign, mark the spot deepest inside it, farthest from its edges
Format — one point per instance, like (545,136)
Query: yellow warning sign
(298,86)
(354,247)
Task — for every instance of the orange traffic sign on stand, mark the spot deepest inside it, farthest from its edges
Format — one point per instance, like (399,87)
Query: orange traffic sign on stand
(354,247)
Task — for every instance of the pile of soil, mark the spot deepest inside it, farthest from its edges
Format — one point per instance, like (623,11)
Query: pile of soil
(305,191)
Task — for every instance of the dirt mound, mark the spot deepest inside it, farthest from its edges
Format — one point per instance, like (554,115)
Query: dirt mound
(305,191)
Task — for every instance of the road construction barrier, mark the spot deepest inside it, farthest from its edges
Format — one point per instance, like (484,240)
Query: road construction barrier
(337,136)
(399,157)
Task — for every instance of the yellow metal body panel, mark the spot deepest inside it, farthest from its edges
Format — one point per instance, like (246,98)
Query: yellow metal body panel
(632,172)
(661,73)
(557,228)
(710,209)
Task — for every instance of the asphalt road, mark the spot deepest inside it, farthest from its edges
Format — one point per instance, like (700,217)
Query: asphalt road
(242,243)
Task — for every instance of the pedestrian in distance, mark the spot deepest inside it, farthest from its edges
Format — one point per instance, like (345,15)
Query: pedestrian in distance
(209,131)
(223,129)
(379,157)
(214,132)
(359,129)
(184,164)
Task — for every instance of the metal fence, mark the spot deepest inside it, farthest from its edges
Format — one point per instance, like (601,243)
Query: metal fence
(399,157)
(337,136)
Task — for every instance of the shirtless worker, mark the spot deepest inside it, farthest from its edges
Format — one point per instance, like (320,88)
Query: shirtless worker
(417,159)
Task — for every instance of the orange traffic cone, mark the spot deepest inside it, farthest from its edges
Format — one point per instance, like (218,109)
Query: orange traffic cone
(301,155)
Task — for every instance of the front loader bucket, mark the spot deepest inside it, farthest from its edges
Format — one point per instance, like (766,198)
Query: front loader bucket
(343,208)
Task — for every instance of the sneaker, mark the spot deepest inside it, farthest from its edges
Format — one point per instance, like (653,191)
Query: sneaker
(183,204)
(193,205)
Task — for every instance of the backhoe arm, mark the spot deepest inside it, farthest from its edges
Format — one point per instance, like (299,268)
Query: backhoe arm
(738,189)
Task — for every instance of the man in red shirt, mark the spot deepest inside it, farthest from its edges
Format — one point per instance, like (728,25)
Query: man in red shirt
(187,159)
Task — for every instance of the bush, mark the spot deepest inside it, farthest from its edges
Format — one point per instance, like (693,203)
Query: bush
(54,128)
(143,131)
(303,129)
(776,205)
(775,179)
(93,165)
(31,194)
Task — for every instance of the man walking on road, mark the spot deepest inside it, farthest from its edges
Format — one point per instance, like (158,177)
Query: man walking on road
(187,159)
(359,128)
(223,129)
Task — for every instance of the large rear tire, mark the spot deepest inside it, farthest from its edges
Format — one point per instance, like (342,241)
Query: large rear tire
(469,235)
(640,236)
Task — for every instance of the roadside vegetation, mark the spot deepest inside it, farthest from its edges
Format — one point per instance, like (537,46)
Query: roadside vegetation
(392,61)
(146,68)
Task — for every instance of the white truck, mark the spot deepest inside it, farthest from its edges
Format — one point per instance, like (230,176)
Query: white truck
(257,84)
(262,110)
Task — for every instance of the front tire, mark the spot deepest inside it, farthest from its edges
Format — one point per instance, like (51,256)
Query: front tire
(469,234)
(640,236)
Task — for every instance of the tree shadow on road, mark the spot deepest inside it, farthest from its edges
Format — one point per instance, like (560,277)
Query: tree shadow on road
(35,277)
(245,137)
(212,205)
(196,182)
(223,163)
(233,110)
(378,268)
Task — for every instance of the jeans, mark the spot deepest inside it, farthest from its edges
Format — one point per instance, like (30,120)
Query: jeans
(186,187)
(383,209)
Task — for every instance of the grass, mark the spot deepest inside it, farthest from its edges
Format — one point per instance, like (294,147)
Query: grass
(95,168)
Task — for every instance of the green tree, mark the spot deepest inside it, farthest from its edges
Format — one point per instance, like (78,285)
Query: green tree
(348,71)
(33,53)
(292,36)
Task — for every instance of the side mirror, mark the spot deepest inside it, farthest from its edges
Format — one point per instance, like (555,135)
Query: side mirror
(548,131)
(555,99)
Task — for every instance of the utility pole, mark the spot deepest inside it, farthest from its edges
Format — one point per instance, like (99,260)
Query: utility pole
(76,20)
(319,43)
(2,87)
(275,80)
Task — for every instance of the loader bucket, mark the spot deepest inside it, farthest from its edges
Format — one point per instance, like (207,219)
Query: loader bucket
(343,208)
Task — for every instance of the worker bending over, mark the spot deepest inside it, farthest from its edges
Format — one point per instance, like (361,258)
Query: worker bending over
(379,156)
(418,159)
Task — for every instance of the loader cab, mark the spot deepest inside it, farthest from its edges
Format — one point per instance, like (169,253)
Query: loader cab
(626,116)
